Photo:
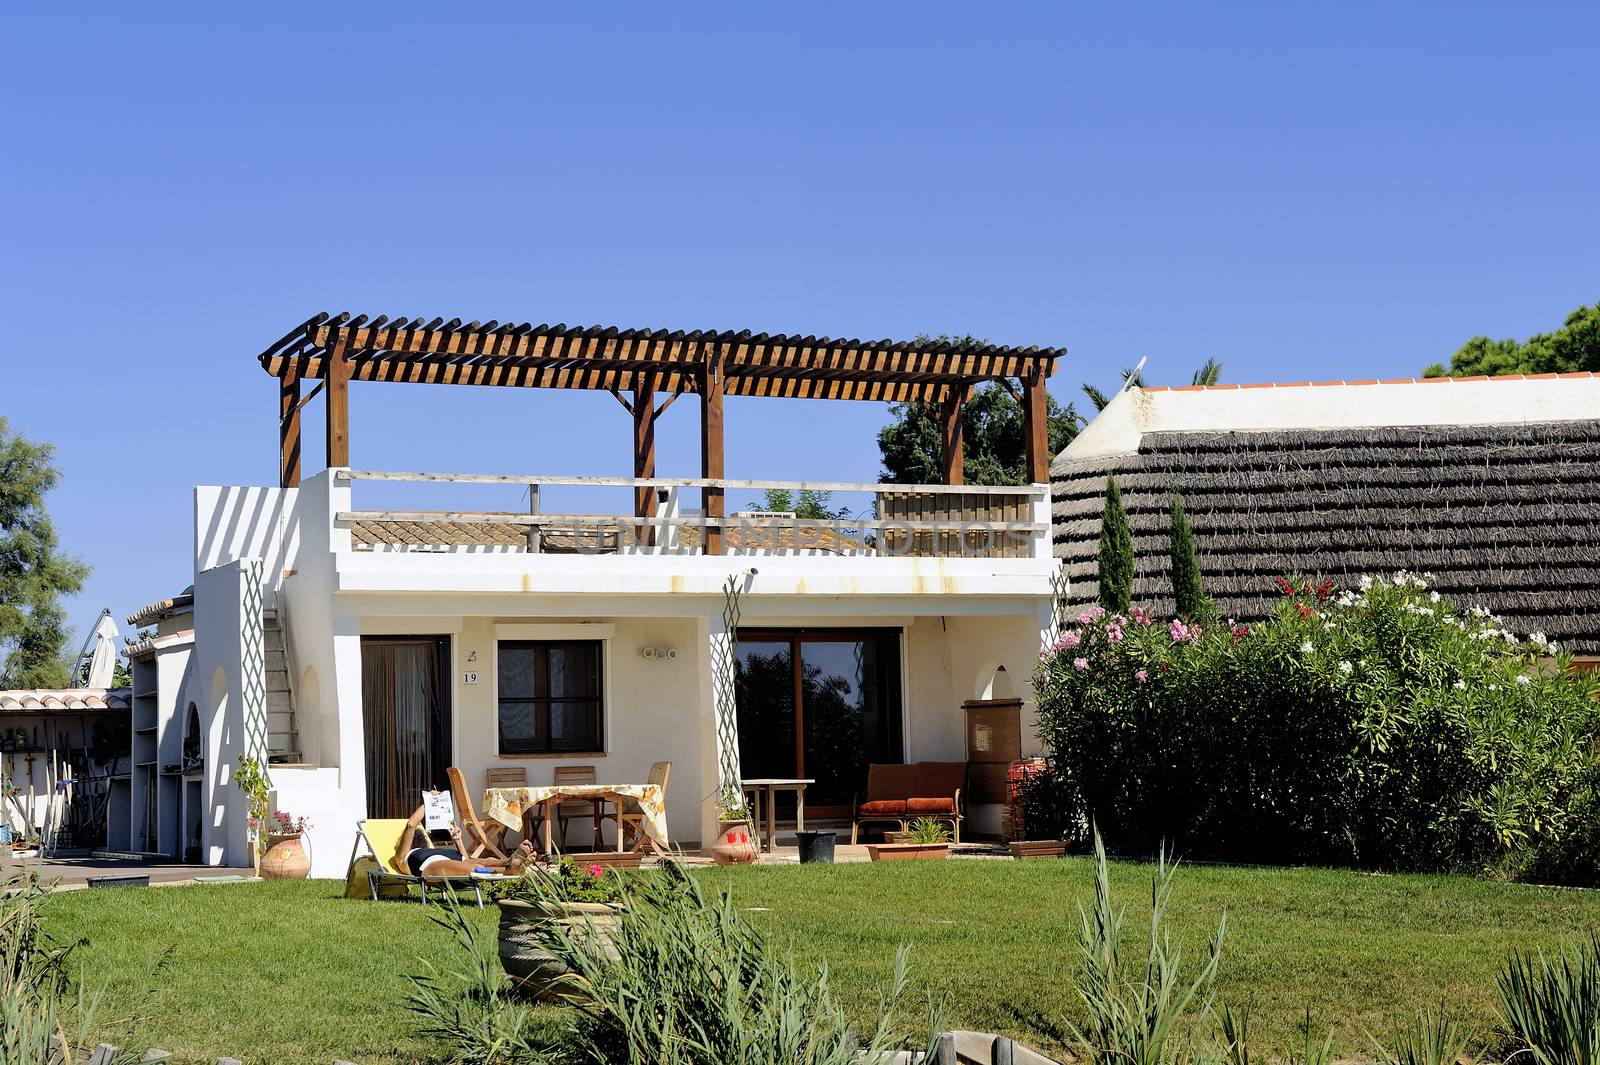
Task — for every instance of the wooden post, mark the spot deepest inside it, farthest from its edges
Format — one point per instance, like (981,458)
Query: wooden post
(535,537)
(711,465)
(644,453)
(289,428)
(954,469)
(1036,426)
(337,376)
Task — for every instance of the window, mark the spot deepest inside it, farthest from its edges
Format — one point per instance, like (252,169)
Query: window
(549,692)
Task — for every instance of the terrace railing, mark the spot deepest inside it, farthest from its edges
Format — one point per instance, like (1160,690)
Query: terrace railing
(932,520)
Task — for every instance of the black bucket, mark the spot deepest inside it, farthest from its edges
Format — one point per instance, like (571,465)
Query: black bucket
(815,846)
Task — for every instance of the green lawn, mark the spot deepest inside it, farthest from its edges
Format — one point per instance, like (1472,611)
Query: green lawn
(291,972)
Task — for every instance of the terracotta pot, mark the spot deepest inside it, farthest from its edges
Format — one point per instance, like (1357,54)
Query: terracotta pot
(530,966)
(285,858)
(896,852)
(735,845)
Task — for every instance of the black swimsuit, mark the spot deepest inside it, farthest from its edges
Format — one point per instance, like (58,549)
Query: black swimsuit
(419,857)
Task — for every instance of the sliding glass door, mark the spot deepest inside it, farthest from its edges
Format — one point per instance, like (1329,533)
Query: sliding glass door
(818,703)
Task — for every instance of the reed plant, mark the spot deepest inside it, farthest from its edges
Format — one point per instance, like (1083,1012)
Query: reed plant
(1551,1006)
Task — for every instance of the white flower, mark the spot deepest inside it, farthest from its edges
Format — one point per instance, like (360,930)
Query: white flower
(1538,639)
(1480,611)
(1433,597)
(1523,678)
(1554,648)
(1329,625)
(1366,582)
(1346,667)
(1460,685)
(1306,648)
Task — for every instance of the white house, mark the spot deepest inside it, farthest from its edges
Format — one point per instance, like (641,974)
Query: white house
(365,648)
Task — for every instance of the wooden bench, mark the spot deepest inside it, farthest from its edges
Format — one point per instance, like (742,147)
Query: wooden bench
(901,793)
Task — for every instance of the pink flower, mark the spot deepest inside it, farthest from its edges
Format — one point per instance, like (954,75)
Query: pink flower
(1182,633)
(1092,615)
(1141,616)
(597,870)
(1143,676)
(1069,641)
(1114,634)
(1080,664)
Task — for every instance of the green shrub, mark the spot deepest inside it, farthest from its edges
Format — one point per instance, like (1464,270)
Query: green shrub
(1188,592)
(1115,575)
(1375,726)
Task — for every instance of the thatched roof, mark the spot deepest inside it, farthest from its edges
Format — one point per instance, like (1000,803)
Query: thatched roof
(1504,516)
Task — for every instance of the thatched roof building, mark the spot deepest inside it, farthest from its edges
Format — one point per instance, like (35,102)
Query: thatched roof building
(1492,485)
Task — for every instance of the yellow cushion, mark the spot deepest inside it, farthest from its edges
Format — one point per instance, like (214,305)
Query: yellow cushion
(383,836)
(356,885)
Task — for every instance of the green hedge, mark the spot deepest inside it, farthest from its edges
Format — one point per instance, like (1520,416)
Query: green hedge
(1377,726)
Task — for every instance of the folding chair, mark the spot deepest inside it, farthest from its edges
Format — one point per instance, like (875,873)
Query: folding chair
(478,836)
(630,816)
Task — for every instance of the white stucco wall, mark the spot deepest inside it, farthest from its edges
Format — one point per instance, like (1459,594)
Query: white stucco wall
(1332,405)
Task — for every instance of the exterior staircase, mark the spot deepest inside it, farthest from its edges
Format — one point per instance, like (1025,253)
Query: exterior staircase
(283,738)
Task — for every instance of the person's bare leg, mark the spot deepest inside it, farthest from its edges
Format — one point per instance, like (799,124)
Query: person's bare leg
(448,867)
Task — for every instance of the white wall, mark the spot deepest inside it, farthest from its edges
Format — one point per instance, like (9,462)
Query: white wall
(217,685)
(234,522)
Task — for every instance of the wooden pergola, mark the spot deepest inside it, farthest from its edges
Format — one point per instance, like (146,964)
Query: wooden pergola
(647,370)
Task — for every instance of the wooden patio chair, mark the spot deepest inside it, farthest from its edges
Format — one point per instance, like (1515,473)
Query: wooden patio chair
(505,776)
(568,812)
(478,837)
(629,816)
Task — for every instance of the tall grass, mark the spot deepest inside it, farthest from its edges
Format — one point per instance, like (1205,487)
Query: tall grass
(1551,1006)
(684,979)
(42,1019)
(1137,1006)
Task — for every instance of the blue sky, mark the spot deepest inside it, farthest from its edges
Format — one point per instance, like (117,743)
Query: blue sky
(1300,191)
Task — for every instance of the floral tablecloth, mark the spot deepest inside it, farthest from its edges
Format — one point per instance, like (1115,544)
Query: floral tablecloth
(507,805)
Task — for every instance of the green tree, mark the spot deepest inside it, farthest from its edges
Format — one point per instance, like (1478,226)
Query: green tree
(34,574)
(1573,348)
(1187,587)
(1209,373)
(993,445)
(806,503)
(1116,552)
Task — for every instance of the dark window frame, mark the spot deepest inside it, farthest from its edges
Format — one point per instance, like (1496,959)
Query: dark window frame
(542,705)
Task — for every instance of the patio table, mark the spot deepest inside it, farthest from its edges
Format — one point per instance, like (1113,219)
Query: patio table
(508,806)
(755,786)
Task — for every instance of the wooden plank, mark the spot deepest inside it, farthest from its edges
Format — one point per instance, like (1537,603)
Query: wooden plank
(682,482)
(289,430)
(338,426)
(921,527)
(644,450)
(712,383)
(1036,428)
(952,451)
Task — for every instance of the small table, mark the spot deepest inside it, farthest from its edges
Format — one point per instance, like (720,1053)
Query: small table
(771,786)
(508,806)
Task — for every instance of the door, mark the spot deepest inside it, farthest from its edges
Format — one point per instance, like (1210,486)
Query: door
(819,704)
(405,710)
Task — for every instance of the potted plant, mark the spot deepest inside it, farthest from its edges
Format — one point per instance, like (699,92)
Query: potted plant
(929,839)
(283,852)
(249,779)
(736,843)
(584,898)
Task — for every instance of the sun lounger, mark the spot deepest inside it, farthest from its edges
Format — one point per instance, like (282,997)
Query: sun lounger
(381,836)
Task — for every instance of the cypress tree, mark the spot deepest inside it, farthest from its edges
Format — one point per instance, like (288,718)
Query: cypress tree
(1187,588)
(1116,553)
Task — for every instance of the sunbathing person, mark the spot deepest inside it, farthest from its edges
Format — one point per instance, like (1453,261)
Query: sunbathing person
(433,860)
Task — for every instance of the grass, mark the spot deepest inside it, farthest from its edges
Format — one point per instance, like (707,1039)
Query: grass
(291,972)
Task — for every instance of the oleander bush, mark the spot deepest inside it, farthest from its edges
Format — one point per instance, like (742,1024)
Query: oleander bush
(1378,726)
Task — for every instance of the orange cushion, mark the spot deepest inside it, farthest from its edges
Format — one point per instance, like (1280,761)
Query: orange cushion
(930,806)
(883,808)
